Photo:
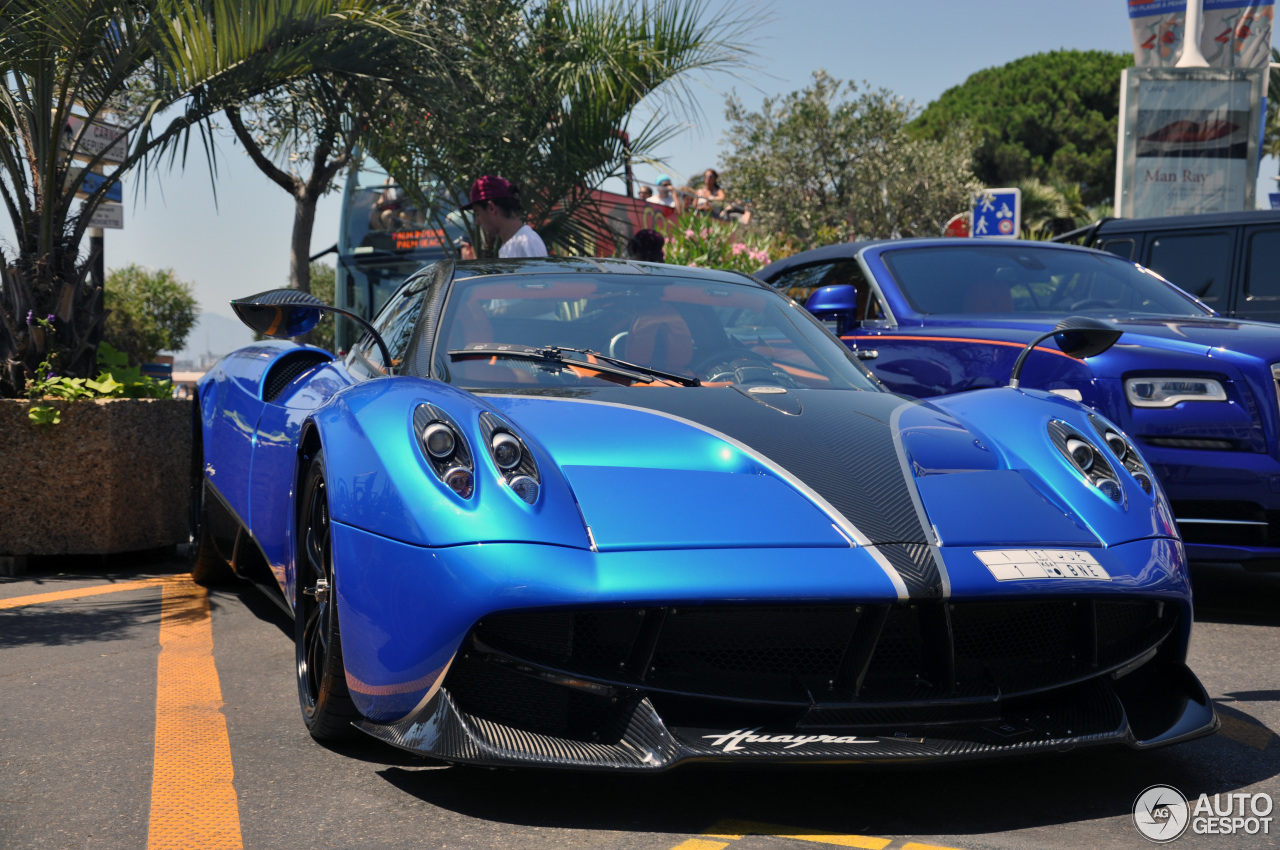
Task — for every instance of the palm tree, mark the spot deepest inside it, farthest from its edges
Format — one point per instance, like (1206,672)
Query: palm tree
(544,96)
(155,70)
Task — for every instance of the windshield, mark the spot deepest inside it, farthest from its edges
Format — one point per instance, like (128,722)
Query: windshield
(1024,280)
(706,332)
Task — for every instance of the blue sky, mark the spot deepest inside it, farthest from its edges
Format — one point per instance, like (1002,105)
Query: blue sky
(917,49)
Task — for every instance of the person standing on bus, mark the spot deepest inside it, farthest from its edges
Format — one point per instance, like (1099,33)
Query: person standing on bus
(498,213)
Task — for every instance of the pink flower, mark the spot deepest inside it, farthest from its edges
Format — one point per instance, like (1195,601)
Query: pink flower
(760,256)
(738,248)
(689,234)
(706,231)
(692,265)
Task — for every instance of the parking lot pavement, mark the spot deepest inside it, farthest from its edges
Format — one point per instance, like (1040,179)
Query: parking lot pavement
(140,711)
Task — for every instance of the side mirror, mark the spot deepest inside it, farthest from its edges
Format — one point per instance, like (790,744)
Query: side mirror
(1081,336)
(835,306)
(1077,336)
(280,313)
(285,313)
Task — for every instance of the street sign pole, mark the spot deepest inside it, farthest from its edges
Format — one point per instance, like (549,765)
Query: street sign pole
(96,250)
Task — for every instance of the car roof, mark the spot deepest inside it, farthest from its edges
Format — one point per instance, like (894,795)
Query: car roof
(594,265)
(1182,222)
(849,250)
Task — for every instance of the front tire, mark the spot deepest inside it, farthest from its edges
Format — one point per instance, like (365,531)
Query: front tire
(327,708)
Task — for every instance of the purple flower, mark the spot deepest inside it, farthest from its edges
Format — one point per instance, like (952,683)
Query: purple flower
(51,318)
(31,317)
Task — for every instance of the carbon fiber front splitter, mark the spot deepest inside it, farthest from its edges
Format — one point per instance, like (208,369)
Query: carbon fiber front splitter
(1142,712)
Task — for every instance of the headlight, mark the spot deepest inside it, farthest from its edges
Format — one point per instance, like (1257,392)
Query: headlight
(446,450)
(439,440)
(1124,452)
(1087,459)
(506,450)
(512,458)
(1166,392)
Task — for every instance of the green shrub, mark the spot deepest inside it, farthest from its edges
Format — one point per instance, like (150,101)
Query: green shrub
(151,311)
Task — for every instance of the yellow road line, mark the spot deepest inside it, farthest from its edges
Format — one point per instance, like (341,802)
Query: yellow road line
(95,590)
(732,830)
(193,803)
(736,829)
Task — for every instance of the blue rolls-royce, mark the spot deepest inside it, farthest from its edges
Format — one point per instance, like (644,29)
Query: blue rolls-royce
(1196,391)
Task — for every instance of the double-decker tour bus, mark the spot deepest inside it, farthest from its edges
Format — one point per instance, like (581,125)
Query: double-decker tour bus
(383,238)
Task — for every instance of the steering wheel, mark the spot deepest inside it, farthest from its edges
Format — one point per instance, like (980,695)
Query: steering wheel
(737,366)
(1091,302)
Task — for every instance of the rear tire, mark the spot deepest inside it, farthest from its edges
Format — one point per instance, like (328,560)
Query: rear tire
(327,708)
(206,565)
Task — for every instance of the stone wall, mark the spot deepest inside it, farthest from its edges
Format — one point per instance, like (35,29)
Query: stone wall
(112,476)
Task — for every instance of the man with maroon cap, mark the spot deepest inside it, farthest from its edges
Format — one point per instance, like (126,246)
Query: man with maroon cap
(498,213)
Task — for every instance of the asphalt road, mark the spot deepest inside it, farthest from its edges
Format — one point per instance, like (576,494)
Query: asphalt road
(87,759)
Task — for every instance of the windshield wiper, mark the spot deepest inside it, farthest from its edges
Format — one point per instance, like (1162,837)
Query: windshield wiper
(555,354)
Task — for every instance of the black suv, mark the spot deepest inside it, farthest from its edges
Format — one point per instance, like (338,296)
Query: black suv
(1230,261)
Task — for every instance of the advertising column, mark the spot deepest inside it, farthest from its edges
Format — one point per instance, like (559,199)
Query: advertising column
(1188,140)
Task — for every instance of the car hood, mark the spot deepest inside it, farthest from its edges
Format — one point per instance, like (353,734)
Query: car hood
(723,468)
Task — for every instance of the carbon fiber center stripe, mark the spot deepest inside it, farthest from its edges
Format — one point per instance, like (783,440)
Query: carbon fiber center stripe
(934,553)
(839,451)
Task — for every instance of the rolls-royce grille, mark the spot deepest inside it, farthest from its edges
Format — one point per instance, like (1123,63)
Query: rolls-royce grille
(836,654)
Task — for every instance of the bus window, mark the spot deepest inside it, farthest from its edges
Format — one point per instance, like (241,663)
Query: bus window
(382,239)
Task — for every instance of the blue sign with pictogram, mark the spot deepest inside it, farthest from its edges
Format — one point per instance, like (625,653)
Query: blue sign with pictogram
(91,182)
(997,213)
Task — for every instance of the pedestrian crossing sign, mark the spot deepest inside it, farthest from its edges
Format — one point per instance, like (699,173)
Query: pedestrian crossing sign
(997,213)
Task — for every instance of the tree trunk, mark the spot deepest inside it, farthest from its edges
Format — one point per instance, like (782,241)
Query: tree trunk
(304,221)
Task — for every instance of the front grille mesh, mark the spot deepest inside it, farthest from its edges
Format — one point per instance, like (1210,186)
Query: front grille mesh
(802,655)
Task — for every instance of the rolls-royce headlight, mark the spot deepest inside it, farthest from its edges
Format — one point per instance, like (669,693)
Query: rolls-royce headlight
(1166,392)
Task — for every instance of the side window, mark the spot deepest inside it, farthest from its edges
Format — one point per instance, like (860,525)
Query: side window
(1199,263)
(1119,247)
(1261,296)
(800,284)
(395,324)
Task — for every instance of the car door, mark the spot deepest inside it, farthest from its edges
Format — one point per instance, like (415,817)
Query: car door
(1200,262)
(1259,295)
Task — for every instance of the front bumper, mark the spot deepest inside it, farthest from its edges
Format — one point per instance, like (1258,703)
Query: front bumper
(1227,503)
(1152,708)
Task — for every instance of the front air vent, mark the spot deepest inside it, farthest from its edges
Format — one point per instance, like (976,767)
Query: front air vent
(283,372)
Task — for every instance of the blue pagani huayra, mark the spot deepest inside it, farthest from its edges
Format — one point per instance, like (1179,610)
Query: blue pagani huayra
(604,514)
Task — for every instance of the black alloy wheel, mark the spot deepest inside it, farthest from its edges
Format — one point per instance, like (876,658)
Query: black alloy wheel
(326,703)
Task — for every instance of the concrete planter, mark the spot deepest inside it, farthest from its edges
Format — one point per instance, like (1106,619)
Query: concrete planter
(111,477)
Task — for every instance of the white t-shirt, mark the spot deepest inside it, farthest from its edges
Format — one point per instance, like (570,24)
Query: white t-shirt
(523,243)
